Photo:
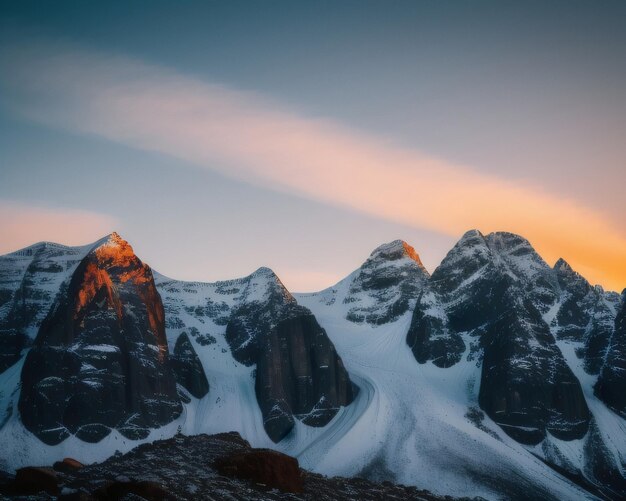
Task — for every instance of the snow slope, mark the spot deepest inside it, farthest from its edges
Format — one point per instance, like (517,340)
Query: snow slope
(415,427)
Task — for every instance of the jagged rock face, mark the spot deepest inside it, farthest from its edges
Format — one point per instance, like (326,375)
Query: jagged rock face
(386,284)
(611,384)
(585,314)
(100,360)
(479,268)
(297,375)
(495,289)
(429,336)
(298,372)
(256,315)
(458,298)
(526,386)
(188,368)
(29,281)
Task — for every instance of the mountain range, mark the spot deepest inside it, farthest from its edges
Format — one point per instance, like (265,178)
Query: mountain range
(497,376)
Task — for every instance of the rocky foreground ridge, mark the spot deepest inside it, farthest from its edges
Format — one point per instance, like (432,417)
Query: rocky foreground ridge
(217,467)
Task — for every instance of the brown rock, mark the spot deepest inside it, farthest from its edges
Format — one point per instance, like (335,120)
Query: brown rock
(68,465)
(32,479)
(270,468)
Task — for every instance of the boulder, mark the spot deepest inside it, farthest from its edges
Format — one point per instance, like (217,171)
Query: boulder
(33,479)
(263,466)
(67,465)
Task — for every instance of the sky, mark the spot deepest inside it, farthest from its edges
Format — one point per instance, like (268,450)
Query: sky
(218,137)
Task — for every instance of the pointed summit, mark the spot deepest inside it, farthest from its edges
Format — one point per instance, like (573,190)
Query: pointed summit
(472,239)
(392,251)
(104,339)
(472,234)
(570,279)
(386,284)
(264,285)
(114,251)
(470,253)
(562,265)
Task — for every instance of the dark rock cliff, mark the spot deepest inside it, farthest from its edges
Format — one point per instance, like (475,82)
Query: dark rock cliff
(188,368)
(611,385)
(298,372)
(494,289)
(100,359)
(526,386)
(586,314)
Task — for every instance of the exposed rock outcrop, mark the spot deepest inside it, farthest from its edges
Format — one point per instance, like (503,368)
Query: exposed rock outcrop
(222,466)
(298,372)
(29,282)
(263,466)
(495,289)
(188,368)
(611,385)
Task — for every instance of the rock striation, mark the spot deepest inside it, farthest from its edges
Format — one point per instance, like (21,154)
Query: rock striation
(493,292)
(611,384)
(298,372)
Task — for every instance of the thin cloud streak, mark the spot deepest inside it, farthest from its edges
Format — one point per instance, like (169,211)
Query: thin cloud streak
(22,225)
(250,138)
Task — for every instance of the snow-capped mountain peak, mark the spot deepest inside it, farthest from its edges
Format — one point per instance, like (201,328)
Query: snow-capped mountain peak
(384,287)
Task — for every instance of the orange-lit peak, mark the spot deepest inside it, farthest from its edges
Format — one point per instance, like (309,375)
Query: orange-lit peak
(116,251)
(93,281)
(410,252)
(397,249)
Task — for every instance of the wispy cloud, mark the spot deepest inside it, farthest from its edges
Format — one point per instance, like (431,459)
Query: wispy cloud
(22,225)
(251,138)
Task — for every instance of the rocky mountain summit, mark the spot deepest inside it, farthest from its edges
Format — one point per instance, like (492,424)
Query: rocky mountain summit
(385,285)
(100,359)
(493,290)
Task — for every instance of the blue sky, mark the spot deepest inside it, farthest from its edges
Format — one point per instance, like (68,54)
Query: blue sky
(529,94)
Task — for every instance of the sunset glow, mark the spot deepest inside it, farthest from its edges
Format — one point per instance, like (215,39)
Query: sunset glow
(272,146)
(23,225)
